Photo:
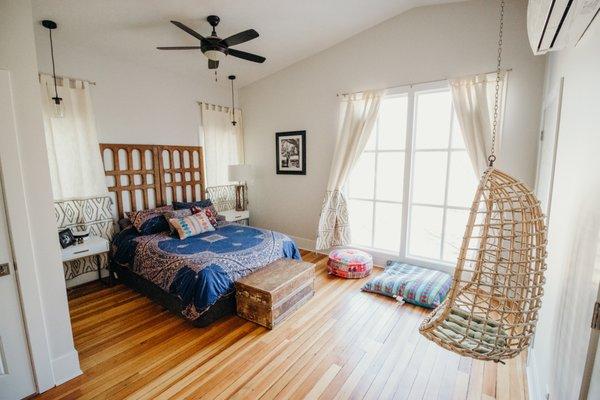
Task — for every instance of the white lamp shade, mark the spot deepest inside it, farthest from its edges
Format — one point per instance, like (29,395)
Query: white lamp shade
(240,173)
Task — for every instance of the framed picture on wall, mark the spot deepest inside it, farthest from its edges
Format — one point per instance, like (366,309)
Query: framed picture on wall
(290,149)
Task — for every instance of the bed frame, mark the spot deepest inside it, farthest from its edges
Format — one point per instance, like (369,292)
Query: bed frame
(143,176)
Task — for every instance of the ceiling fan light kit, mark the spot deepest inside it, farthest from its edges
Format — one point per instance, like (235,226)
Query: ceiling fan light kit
(214,48)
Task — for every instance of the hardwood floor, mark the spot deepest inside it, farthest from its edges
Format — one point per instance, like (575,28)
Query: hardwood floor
(342,344)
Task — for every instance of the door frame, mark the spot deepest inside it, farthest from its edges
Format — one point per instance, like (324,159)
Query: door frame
(18,221)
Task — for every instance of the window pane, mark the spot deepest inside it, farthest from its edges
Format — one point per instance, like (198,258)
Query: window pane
(388,223)
(425,232)
(433,120)
(392,123)
(360,213)
(390,176)
(362,179)
(456,222)
(457,137)
(462,183)
(429,177)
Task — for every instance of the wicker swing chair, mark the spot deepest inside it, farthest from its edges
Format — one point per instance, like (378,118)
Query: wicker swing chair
(492,308)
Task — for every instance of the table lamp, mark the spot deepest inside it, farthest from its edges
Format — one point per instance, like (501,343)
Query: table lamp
(240,173)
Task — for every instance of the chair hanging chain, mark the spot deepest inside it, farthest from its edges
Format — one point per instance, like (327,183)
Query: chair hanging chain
(492,156)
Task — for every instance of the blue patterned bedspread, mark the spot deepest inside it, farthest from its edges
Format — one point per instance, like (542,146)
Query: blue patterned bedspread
(203,268)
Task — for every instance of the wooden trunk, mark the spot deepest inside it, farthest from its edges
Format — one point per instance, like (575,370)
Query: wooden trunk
(271,294)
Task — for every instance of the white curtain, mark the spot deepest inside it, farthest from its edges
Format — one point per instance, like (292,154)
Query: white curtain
(223,142)
(74,156)
(358,115)
(473,99)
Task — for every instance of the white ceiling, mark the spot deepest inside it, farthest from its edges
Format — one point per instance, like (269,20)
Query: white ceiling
(290,30)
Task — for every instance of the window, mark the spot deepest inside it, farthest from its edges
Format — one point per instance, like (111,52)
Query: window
(411,190)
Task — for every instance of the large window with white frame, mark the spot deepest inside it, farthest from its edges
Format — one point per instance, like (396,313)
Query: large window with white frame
(411,190)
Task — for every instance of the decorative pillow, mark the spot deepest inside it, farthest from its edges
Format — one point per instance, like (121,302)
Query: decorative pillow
(176,214)
(192,225)
(202,204)
(421,286)
(209,213)
(148,222)
(124,223)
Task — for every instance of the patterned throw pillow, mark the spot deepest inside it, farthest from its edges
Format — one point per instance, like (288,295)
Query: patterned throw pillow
(148,222)
(203,204)
(421,286)
(192,225)
(176,214)
(209,213)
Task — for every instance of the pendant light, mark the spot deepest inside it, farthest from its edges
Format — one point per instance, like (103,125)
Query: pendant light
(233,122)
(59,110)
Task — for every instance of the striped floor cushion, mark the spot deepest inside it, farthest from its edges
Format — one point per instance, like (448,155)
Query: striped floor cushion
(349,263)
(421,286)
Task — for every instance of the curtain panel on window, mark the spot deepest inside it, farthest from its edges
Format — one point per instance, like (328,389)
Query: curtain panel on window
(358,113)
(473,99)
(222,141)
(72,143)
(81,200)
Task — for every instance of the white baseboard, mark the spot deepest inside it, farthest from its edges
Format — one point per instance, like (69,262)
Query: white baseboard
(66,367)
(533,381)
(306,244)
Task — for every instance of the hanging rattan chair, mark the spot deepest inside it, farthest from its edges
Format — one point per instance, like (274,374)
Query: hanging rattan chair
(492,307)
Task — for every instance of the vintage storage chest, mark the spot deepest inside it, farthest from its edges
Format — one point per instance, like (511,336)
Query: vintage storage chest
(269,295)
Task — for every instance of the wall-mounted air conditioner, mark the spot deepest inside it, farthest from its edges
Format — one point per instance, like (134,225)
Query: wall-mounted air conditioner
(556,24)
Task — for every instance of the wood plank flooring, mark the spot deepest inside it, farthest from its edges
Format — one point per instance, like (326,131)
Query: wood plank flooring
(342,344)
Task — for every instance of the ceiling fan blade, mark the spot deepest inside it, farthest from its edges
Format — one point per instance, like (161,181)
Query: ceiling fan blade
(179,48)
(240,37)
(246,56)
(213,64)
(188,30)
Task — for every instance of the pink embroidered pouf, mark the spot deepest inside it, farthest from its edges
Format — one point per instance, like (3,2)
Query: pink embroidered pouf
(349,263)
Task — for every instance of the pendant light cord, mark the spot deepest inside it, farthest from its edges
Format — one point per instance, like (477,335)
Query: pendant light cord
(492,156)
(233,122)
(53,69)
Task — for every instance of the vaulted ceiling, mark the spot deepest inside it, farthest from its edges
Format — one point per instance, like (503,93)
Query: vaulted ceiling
(290,30)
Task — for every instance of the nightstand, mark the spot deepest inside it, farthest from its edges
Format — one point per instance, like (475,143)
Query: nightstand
(92,246)
(240,217)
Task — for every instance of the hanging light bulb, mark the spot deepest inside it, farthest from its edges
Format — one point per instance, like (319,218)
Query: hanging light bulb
(58,105)
(233,122)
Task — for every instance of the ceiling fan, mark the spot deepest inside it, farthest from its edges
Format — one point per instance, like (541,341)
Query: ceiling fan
(215,48)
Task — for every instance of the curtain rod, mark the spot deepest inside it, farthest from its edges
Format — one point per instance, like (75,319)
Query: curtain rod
(422,83)
(70,77)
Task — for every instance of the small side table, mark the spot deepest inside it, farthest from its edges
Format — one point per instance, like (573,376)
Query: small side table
(241,217)
(92,246)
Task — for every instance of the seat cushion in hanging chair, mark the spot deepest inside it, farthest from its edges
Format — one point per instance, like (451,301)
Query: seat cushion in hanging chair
(349,263)
(421,286)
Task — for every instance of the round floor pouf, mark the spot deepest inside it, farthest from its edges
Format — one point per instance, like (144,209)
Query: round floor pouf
(349,263)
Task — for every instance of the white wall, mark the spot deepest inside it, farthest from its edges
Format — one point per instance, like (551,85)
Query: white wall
(422,44)
(574,225)
(29,206)
(134,103)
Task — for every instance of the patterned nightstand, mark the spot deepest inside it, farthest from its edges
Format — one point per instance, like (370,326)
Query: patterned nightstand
(240,217)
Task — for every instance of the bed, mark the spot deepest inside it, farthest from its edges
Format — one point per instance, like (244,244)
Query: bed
(194,277)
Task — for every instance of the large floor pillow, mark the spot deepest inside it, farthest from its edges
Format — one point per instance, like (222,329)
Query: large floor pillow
(349,263)
(421,286)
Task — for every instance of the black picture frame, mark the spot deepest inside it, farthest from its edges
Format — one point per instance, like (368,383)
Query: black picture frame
(292,144)
(66,238)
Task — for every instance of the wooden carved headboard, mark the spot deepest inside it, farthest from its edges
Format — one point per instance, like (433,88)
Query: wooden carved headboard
(143,176)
